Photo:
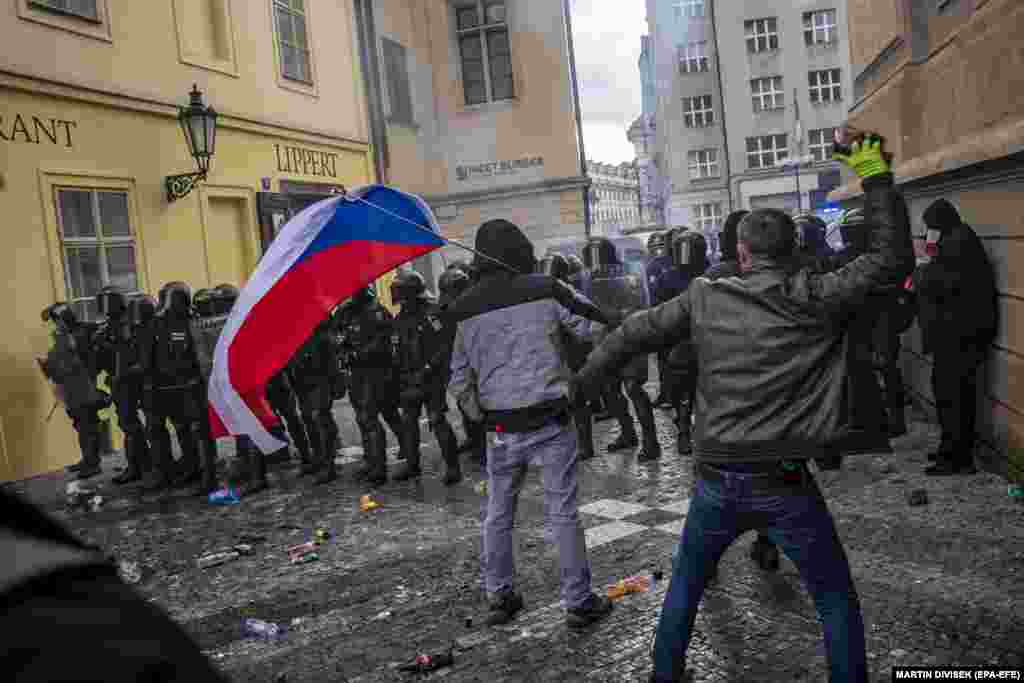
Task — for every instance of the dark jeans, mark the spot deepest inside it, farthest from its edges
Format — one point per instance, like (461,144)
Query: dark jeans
(800,523)
(955,387)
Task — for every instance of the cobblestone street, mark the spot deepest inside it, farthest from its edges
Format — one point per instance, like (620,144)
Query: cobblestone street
(939,583)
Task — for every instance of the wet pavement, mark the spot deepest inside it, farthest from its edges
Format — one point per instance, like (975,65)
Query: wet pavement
(939,583)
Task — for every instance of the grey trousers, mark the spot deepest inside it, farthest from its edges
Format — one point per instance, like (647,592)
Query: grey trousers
(508,456)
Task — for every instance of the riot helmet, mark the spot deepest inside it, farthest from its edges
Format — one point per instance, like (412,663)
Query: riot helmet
(175,299)
(452,284)
(853,227)
(111,302)
(364,296)
(554,265)
(657,244)
(408,286)
(600,252)
(689,252)
(141,309)
(810,234)
(205,303)
(227,295)
(61,314)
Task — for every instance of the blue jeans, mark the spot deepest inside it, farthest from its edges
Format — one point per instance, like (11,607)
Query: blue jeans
(798,522)
(508,456)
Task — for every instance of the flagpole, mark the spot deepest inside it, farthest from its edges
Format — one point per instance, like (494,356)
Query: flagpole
(799,142)
(444,239)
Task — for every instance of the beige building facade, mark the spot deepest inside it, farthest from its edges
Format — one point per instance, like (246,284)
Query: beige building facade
(942,81)
(472,107)
(89,92)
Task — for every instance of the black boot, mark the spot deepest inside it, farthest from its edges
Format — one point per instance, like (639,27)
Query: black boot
(190,471)
(584,434)
(257,473)
(327,471)
(645,414)
(208,483)
(448,444)
(132,472)
(375,473)
(89,440)
(410,444)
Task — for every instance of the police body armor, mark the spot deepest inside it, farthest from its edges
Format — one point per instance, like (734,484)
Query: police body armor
(206,329)
(366,335)
(414,340)
(612,286)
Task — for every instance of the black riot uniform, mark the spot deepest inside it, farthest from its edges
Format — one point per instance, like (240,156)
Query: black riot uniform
(558,267)
(142,315)
(117,354)
(310,371)
(174,381)
(281,397)
(621,293)
(71,365)
(421,344)
(689,253)
(366,328)
(452,284)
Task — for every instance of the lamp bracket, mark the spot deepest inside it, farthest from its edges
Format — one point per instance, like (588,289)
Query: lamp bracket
(179,186)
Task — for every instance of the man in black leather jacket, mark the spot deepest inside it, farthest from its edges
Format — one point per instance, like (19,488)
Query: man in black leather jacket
(772,393)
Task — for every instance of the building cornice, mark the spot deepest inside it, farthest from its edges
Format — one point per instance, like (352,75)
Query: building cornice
(150,103)
(550,185)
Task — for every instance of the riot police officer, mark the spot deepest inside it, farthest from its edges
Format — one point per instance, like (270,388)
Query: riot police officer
(689,253)
(812,243)
(173,377)
(310,371)
(422,346)
(621,293)
(282,399)
(365,327)
(658,261)
(118,356)
(70,365)
(451,285)
(558,267)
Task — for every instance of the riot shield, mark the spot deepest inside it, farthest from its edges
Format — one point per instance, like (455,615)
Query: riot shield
(616,289)
(205,332)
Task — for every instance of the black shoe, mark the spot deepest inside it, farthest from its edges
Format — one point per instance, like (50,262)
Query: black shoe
(896,430)
(684,443)
(130,475)
(407,472)
(452,476)
(88,471)
(649,453)
(946,468)
(596,608)
(623,442)
(187,478)
(77,466)
(464,447)
(504,607)
(765,555)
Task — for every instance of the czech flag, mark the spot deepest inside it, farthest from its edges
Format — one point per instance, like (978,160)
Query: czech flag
(321,257)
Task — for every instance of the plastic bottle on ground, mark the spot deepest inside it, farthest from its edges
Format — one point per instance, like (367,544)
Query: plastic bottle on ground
(257,628)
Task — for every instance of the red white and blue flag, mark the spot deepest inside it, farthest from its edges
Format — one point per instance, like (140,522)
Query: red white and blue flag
(322,256)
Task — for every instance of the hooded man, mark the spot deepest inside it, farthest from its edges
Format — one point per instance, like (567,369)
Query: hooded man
(957,297)
(508,368)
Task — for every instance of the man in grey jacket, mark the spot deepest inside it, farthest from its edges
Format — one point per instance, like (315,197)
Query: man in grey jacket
(510,370)
(772,393)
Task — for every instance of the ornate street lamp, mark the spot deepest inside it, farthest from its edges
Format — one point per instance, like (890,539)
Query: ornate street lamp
(199,124)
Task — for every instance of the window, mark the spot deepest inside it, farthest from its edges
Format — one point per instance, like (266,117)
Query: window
(97,244)
(767,93)
(293,42)
(820,27)
(697,111)
(693,58)
(825,86)
(821,143)
(765,151)
(762,34)
(86,9)
(707,217)
(485,51)
(396,69)
(703,163)
(690,9)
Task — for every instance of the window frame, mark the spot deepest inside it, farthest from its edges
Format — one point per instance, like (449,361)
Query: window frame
(392,118)
(283,79)
(811,28)
(707,222)
(705,115)
(689,61)
(100,242)
(824,145)
(752,36)
(690,9)
(482,31)
(834,88)
(758,94)
(762,150)
(72,22)
(703,163)
(45,6)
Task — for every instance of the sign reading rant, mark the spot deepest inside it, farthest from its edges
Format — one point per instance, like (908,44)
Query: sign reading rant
(496,168)
(306,161)
(36,130)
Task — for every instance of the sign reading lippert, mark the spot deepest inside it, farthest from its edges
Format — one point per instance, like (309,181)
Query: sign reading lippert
(496,168)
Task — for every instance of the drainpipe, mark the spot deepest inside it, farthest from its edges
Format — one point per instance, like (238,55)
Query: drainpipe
(579,116)
(370,68)
(721,95)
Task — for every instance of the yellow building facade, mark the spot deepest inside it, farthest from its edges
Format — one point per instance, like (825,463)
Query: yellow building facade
(89,91)
(942,81)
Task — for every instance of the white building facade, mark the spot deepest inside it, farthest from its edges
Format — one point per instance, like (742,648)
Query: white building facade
(614,198)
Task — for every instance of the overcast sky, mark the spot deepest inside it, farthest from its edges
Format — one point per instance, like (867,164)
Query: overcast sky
(607,38)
